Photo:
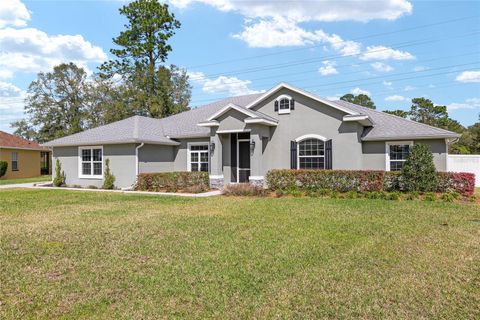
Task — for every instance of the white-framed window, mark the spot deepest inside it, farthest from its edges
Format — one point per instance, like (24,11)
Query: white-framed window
(90,160)
(396,154)
(311,154)
(284,104)
(14,161)
(198,156)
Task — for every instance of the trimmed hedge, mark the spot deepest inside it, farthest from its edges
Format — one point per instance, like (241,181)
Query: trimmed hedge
(194,182)
(361,180)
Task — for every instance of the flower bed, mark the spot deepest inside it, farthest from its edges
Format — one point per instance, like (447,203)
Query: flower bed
(191,182)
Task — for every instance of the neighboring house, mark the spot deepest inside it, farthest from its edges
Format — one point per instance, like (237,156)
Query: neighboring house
(26,159)
(240,139)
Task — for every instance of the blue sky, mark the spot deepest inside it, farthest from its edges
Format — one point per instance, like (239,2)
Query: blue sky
(393,50)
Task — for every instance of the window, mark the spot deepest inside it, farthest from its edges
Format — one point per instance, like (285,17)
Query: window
(14,161)
(397,153)
(311,154)
(198,157)
(284,103)
(91,162)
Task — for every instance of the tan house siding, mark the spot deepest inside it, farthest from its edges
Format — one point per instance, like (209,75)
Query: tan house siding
(28,163)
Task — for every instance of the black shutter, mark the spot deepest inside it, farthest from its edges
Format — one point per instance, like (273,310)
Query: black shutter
(292,104)
(276,105)
(328,154)
(233,157)
(293,155)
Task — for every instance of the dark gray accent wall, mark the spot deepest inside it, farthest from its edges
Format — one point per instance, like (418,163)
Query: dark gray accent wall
(156,158)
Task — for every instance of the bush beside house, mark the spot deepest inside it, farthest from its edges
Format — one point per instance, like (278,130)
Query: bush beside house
(362,181)
(3,168)
(108,177)
(194,182)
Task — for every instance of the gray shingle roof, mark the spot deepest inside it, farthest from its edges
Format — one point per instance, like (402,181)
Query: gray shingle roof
(132,130)
(387,126)
(184,125)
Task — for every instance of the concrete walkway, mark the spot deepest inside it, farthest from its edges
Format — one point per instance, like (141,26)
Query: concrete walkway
(38,186)
(19,185)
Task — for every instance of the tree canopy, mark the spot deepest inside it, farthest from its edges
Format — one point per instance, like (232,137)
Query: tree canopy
(361,99)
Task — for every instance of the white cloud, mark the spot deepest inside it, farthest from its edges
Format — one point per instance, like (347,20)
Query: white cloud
(326,10)
(382,67)
(387,83)
(409,88)
(395,97)
(13,13)
(473,103)
(468,76)
(328,68)
(281,32)
(9,90)
(358,91)
(11,104)
(32,50)
(385,53)
(222,84)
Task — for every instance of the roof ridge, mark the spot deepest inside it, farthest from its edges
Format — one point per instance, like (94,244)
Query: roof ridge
(400,118)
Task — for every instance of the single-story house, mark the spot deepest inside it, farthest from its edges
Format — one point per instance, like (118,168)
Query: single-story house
(239,139)
(25,159)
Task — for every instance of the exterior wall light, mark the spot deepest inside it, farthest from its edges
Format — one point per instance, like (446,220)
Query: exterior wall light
(252,146)
(212,147)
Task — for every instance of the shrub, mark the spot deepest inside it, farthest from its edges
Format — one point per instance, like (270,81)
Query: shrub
(243,189)
(172,181)
(336,180)
(59,179)
(448,197)
(461,182)
(418,171)
(108,177)
(430,196)
(393,196)
(411,195)
(3,168)
(323,182)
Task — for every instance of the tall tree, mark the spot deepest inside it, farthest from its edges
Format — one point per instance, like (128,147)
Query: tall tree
(423,110)
(55,103)
(361,99)
(24,130)
(142,49)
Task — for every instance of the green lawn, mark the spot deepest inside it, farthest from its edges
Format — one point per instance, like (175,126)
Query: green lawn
(27,180)
(66,254)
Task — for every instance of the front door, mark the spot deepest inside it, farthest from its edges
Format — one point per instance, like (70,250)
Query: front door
(243,160)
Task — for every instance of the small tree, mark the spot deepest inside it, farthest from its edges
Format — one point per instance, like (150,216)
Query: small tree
(418,171)
(109,178)
(59,179)
(3,168)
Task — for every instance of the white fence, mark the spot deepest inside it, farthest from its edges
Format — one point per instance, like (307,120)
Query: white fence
(465,163)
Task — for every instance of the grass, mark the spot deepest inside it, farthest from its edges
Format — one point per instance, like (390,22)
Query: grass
(66,254)
(27,180)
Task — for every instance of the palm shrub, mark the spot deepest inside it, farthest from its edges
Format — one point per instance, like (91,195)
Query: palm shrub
(3,168)
(418,172)
(59,179)
(108,177)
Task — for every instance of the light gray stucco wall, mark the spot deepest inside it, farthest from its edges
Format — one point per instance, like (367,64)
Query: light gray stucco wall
(310,117)
(122,165)
(156,158)
(374,157)
(232,120)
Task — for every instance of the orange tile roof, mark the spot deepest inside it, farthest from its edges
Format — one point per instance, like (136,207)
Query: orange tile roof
(11,141)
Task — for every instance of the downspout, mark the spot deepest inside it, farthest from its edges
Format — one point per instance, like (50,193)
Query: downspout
(137,168)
